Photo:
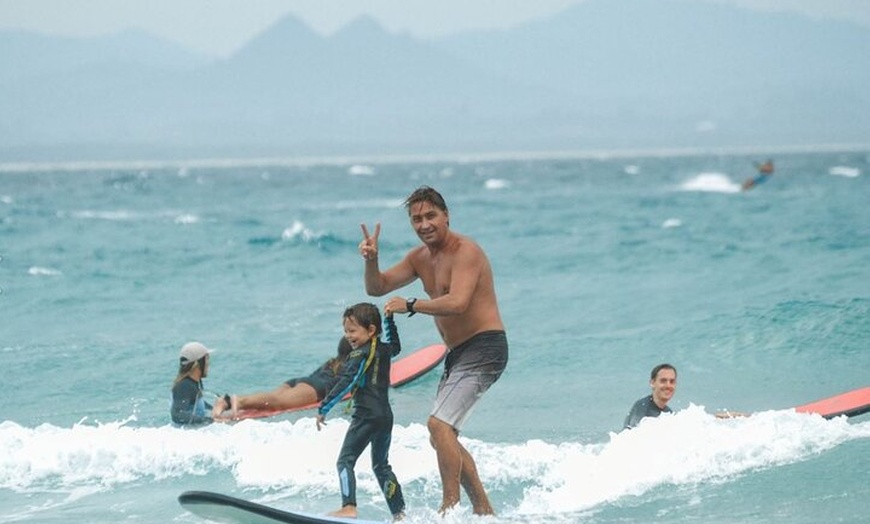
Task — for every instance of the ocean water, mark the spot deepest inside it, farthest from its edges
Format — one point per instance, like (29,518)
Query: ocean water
(605,266)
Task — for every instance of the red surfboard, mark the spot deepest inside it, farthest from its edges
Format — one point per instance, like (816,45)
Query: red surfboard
(416,364)
(850,404)
(402,371)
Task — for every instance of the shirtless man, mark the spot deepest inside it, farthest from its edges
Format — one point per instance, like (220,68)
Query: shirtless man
(457,276)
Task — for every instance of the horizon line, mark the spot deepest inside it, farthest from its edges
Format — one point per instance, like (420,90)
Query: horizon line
(417,158)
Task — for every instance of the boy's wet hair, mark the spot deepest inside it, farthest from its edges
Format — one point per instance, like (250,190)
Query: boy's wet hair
(426,194)
(655,371)
(365,314)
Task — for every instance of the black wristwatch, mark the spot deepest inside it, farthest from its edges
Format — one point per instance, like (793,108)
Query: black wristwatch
(409,304)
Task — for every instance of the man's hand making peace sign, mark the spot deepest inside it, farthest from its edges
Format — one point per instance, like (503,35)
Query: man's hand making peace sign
(368,248)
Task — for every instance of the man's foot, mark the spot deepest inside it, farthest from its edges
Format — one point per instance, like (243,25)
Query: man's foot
(445,507)
(348,512)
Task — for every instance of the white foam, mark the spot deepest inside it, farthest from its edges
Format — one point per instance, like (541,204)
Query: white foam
(299,231)
(125,215)
(845,171)
(368,203)
(292,457)
(360,170)
(672,222)
(688,447)
(119,215)
(187,218)
(38,271)
(259,454)
(496,183)
(711,182)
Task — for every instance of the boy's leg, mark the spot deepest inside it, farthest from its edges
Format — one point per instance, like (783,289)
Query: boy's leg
(384,472)
(355,441)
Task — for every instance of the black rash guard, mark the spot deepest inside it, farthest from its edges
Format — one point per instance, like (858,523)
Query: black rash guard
(644,407)
(188,406)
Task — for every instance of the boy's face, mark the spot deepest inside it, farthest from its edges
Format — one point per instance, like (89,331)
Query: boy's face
(356,334)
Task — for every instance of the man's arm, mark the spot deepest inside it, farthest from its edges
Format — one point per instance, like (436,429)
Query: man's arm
(379,284)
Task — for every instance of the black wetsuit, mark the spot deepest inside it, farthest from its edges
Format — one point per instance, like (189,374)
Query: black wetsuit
(644,407)
(372,420)
(188,406)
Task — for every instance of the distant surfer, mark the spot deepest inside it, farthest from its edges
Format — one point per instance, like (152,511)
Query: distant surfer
(663,382)
(366,377)
(188,407)
(765,171)
(458,278)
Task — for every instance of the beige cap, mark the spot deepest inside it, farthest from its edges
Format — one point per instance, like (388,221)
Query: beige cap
(193,351)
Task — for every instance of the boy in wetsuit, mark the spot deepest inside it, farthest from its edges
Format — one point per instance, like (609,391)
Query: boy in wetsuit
(367,377)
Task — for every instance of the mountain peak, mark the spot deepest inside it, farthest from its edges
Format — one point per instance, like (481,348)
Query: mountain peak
(363,26)
(283,36)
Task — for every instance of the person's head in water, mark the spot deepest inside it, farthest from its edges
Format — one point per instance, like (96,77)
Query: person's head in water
(428,214)
(362,323)
(193,361)
(663,382)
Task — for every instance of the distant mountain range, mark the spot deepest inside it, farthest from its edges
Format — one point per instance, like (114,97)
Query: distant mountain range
(605,74)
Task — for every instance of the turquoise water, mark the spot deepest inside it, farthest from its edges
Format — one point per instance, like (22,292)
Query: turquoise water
(605,266)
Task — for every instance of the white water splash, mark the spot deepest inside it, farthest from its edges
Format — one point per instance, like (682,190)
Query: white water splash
(710,182)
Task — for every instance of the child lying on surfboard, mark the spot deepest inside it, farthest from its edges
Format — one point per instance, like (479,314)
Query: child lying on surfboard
(295,393)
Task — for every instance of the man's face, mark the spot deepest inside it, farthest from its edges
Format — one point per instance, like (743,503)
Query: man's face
(664,386)
(429,222)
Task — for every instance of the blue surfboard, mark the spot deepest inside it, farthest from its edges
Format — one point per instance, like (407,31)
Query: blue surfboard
(231,510)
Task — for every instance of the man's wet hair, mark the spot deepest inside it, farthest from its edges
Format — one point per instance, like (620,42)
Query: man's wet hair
(655,371)
(426,194)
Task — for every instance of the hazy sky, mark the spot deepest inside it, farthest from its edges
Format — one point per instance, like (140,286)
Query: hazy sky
(219,27)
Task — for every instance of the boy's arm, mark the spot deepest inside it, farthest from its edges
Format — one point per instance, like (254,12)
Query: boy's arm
(350,375)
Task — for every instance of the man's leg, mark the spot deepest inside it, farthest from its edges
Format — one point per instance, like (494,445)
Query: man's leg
(457,468)
(472,485)
(449,454)
(466,378)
